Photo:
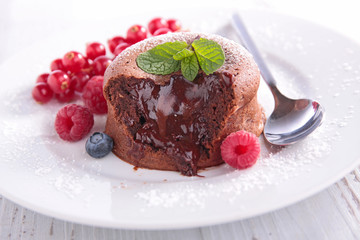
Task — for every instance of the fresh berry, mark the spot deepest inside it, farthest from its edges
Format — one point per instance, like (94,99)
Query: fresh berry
(121,47)
(174,25)
(113,42)
(88,68)
(240,149)
(42,92)
(57,64)
(93,95)
(74,61)
(42,78)
(68,95)
(73,122)
(136,33)
(100,64)
(156,24)
(80,79)
(65,97)
(94,50)
(58,81)
(99,145)
(161,31)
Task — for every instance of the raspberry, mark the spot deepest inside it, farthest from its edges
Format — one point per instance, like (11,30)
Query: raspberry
(73,122)
(240,149)
(93,95)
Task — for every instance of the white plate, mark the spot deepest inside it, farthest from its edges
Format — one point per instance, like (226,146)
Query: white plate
(56,178)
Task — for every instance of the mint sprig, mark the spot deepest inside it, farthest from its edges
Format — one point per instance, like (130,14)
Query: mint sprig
(170,57)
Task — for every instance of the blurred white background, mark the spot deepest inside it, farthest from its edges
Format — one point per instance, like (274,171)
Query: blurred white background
(23,23)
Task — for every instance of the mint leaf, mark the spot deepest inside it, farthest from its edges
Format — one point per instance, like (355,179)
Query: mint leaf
(169,49)
(209,54)
(190,67)
(159,60)
(154,64)
(183,54)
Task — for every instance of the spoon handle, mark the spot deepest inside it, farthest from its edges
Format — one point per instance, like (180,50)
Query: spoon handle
(250,45)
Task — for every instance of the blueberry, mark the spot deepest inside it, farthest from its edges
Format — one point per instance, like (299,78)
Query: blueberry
(99,145)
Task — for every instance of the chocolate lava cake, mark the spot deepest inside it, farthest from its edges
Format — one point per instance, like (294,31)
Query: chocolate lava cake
(166,122)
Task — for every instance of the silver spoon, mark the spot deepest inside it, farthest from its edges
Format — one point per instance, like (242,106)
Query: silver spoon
(292,119)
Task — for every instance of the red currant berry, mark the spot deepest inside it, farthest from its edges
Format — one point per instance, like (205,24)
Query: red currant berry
(42,92)
(42,78)
(73,122)
(80,79)
(93,96)
(88,68)
(113,42)
(174,25)
(161,31)
(58,81)
(121,47)
(74,61)
(57,64)
(94,50)
(66,96)
(156,24)
(100,64)
(136,33)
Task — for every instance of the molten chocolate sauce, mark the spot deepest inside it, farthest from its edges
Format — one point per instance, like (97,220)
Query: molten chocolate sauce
(172,115)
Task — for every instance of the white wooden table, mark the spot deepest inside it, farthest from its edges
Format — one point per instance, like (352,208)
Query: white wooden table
(333,213)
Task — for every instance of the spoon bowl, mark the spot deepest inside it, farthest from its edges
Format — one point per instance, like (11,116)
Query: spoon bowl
(292,119)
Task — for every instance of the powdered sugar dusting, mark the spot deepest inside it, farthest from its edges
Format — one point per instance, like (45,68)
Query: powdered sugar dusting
(28,128)
(276,165)
(279,164)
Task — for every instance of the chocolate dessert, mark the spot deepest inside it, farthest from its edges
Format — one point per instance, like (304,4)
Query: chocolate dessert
(166,122)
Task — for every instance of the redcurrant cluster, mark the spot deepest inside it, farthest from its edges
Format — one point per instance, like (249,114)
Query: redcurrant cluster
(70,74)
(78,74)
(137,33)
